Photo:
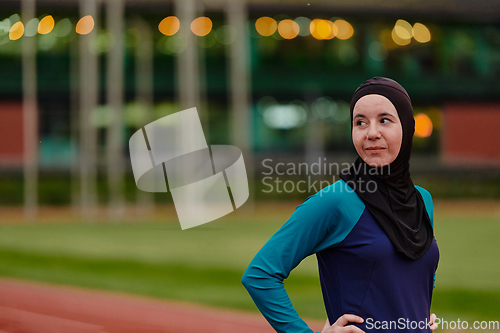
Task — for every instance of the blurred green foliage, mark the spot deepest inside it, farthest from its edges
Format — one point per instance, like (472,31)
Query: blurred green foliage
(55,188)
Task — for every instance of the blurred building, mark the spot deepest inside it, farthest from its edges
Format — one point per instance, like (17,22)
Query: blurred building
(306,59)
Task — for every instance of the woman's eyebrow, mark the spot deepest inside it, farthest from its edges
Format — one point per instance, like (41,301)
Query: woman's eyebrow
(359,115)
(385,114)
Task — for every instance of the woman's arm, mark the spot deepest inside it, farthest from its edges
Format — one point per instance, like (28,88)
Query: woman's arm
(323,220)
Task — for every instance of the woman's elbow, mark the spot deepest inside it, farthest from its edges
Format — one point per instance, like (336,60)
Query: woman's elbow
(253,278)
(245,279)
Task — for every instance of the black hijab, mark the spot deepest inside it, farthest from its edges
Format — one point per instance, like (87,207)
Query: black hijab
(395,204)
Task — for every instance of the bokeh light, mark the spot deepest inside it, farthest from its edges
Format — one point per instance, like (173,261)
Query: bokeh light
(13,19)
(377,51)
(5,26)
(345,29)
(323,29)
(399,41)
(85,25)
(31,28)
(421,33)
(285,116)
(266,26)
(169,25)
(423,125)
(16,31)
(403,29)
(288,29)
(402,33)
(304,24)
(46,25)
(201,26)
(313,29)
(63,28)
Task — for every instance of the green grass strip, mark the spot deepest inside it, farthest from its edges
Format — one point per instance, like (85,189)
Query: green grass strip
(210,286)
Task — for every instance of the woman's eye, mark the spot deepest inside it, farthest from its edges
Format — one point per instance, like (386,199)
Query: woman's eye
(360,123)
(385,120)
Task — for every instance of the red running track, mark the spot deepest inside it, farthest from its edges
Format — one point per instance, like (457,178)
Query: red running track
(31,307)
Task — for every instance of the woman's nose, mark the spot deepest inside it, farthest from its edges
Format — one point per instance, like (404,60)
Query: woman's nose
(373,133)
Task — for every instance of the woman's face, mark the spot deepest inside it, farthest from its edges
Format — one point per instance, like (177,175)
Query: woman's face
(376,130)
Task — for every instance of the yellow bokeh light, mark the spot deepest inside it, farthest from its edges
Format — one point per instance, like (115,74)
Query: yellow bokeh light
(288,29)
(266,26)
(313,27)
(201,26)
(423,125)
(398,40)
(46,25)
(323,29)
(169,25)
(345,29)
(85,25)
(16,31)
(403,29)
(421,33)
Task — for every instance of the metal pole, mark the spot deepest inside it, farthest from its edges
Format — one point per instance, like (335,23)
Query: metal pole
(114,83)
(89,96)
(74,130)
(315,128)
(315,141)
(202,79)
(144,92)
(239,77)
(187,61)
(30,116)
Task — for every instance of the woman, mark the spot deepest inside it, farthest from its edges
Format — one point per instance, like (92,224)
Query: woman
(372,232)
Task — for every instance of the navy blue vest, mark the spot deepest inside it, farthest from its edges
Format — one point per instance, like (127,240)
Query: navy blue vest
(364,275)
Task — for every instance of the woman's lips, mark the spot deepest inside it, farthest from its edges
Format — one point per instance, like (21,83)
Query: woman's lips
(375,149)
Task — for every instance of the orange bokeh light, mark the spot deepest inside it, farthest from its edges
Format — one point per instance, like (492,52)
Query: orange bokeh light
(266,26)
(46,25)
(169,25)
(201,26)
(85,25)
(288,29)
(345,29)
(423,125)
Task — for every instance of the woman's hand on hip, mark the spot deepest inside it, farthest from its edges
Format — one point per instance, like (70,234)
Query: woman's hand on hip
(433,325)
(340,325)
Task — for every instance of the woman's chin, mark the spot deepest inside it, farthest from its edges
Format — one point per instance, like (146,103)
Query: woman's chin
(376,162)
